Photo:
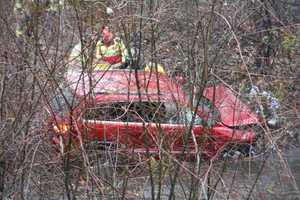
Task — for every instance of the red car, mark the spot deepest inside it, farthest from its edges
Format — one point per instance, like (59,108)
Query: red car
(146,112)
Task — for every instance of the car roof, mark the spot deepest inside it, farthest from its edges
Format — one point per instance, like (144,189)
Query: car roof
(124,86)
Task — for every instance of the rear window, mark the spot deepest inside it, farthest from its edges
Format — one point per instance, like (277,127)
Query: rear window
(166,113)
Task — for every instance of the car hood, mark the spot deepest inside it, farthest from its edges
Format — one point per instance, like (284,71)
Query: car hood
(233,112)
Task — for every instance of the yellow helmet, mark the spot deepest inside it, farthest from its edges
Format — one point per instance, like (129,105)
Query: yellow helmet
(159,67)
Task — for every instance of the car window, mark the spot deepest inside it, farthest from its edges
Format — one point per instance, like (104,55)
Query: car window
(181,115)
(59,103)
(165,113)
(131,112)
(207,108)
(106,112)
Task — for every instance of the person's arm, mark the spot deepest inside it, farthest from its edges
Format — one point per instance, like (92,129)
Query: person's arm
(98,55)
(122,49)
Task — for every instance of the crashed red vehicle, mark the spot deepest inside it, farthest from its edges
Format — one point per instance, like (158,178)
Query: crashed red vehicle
(145,112)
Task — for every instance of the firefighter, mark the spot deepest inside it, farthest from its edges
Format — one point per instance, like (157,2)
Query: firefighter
(110,52)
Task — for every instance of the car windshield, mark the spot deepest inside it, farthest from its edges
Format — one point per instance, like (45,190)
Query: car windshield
(63,101)
(157,112)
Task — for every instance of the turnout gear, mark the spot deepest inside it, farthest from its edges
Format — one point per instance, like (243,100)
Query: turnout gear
(110,50)
(112,54)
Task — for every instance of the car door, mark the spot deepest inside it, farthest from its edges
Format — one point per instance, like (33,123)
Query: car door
(118,123)
(169,126)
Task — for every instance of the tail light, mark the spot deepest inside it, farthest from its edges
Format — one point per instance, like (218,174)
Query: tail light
(61,128)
